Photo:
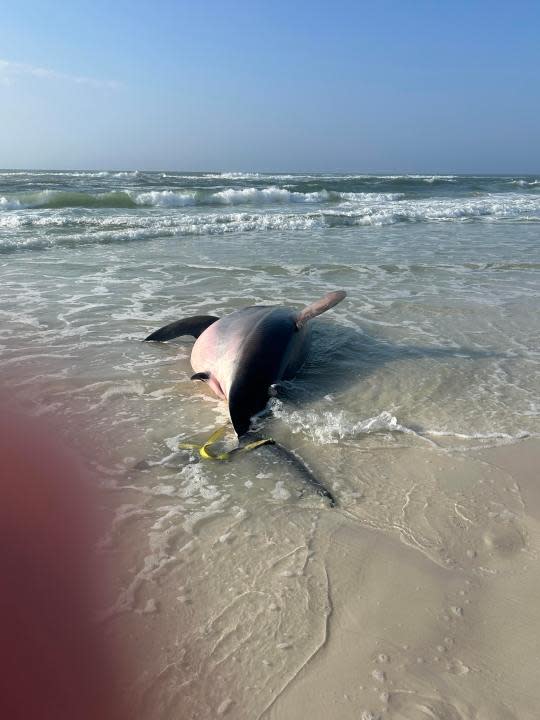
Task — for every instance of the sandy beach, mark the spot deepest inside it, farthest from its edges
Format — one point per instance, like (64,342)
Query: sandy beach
(250,620)
(232,588)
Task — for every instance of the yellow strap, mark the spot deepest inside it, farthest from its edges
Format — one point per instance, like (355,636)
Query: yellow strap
(214,437)
(205,453)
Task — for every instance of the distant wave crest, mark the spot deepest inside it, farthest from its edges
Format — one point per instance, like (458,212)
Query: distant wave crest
(55,199)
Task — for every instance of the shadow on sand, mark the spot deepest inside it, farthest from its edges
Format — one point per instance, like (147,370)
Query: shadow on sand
(341,357)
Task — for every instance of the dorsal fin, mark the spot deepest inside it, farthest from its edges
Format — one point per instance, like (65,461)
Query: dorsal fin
(319,306)
(187,326)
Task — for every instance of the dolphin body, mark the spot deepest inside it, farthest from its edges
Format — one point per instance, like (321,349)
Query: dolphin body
(241,355)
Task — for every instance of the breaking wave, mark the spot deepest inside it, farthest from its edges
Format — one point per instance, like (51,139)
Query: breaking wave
(45,209)
(178,216)
(339,207)
(492,207)
(54,199)
(525,183)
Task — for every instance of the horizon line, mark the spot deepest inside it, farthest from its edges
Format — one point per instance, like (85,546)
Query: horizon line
(441,173)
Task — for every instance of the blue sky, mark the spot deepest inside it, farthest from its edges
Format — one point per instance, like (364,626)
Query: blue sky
(411,86)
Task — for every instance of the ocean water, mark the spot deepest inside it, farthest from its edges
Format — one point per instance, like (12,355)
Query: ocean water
(438,336)
(435,349)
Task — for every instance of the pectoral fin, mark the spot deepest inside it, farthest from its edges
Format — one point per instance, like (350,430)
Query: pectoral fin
(193,326)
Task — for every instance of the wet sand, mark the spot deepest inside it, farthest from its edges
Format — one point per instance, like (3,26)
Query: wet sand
(302,611)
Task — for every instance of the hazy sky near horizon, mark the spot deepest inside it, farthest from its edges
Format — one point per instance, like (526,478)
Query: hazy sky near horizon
(387,85)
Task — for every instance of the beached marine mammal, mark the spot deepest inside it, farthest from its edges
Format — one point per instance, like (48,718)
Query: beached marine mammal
(242,354)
